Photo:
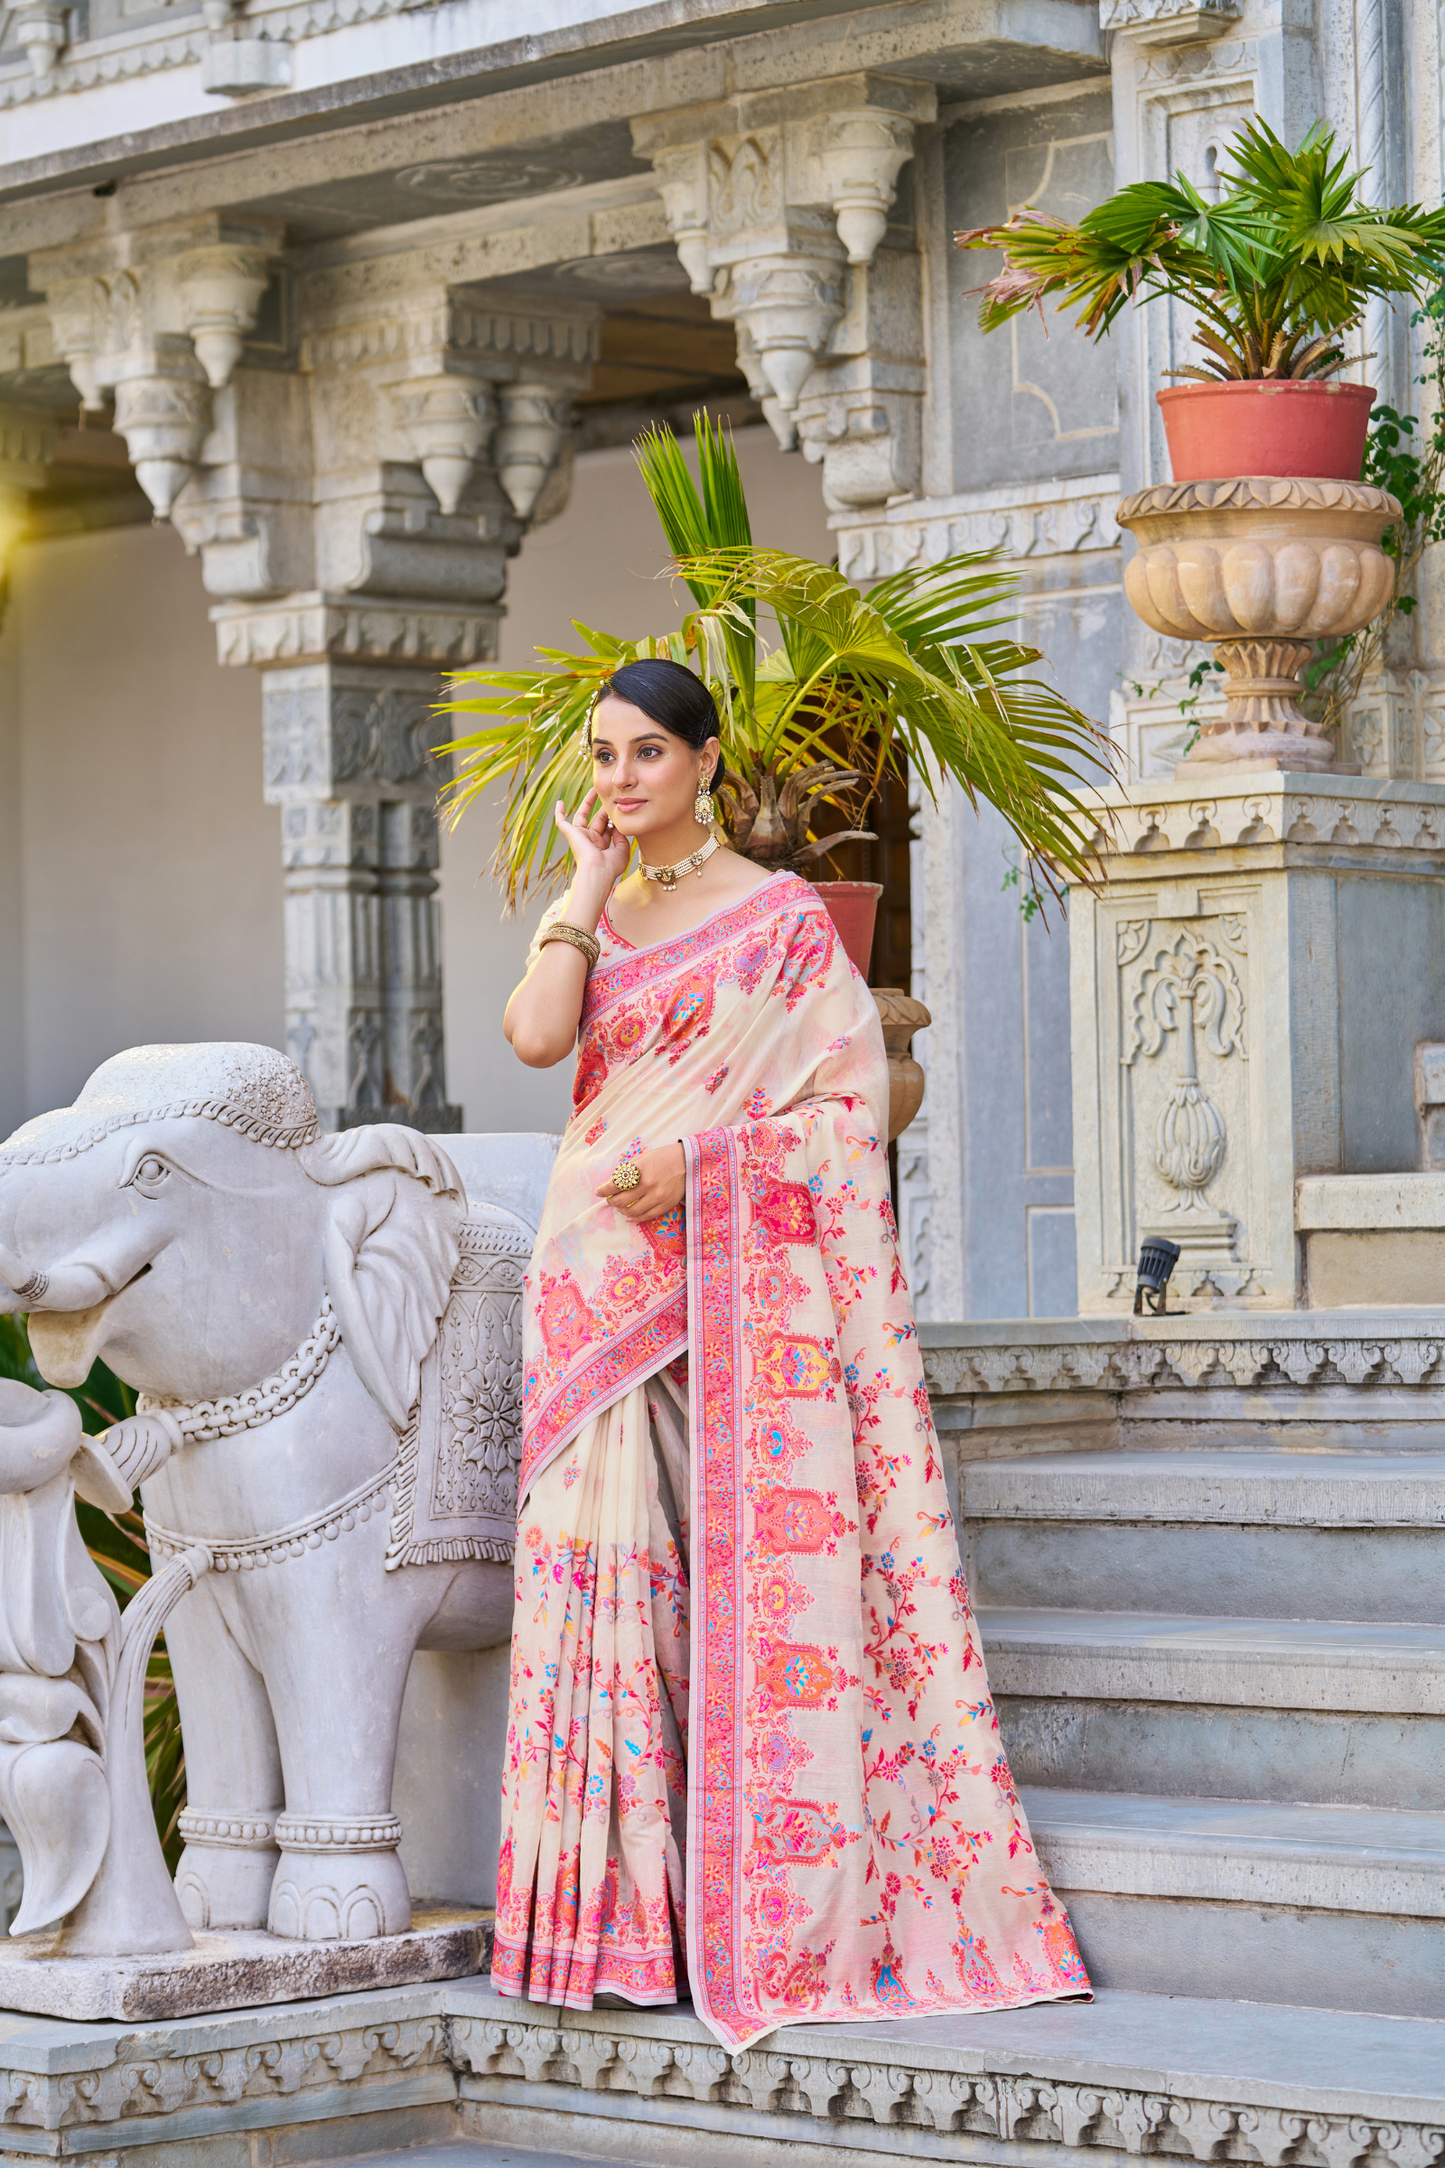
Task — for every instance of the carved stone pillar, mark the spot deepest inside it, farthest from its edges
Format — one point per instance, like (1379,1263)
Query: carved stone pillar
(349,734)
(774,199)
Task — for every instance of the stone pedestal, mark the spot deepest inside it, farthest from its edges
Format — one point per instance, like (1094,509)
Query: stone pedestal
(1248,986)
(238,1970)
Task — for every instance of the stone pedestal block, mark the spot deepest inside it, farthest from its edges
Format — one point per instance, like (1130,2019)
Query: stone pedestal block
(1248,986)
(239,1970)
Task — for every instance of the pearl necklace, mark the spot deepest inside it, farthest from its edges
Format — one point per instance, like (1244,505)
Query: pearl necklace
(668,875)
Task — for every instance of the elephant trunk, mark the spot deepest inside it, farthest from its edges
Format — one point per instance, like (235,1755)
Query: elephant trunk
(72,1286)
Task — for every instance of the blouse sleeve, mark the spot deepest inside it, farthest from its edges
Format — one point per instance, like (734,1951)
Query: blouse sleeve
(549,918)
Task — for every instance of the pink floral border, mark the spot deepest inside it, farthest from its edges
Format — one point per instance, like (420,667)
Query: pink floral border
(609,982)
(715,1790)
(610,1373)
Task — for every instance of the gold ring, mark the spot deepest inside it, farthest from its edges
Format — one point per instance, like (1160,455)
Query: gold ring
(626,1174)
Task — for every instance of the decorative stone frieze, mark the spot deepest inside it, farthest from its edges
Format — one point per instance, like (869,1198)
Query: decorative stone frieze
(773,199)
(1028,520)
(1196,1353)
(1262,569)
(462,2055)
(1169,22)
(42,32)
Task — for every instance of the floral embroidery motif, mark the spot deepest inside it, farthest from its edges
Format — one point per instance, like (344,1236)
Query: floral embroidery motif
(565,1318)
(797,1672)
(786,1210)
(797,1367)
(796,1831)
(798,1520)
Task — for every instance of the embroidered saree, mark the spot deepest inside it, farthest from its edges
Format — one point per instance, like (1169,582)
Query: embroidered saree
(750,1742)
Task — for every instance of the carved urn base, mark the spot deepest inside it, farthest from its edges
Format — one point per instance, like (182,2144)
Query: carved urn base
(1263,569)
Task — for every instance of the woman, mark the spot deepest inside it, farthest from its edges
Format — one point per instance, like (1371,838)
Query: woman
(748,1715)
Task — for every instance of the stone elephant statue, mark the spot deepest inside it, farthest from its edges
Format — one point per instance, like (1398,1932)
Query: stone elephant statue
(326,1342)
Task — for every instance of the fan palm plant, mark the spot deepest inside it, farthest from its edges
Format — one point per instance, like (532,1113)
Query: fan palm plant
(1279,269)
(921,672)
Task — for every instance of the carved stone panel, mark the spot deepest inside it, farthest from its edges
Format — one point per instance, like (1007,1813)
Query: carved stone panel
(1030,401)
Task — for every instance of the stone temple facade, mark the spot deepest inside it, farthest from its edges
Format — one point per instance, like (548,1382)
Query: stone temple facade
(347,294)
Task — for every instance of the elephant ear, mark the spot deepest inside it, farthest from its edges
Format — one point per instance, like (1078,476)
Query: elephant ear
(391,1247)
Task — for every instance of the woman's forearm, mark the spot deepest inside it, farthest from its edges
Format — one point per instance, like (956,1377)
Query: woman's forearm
(544,1012)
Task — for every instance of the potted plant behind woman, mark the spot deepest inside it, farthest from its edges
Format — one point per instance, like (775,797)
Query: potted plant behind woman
(917,677)
(1279,270)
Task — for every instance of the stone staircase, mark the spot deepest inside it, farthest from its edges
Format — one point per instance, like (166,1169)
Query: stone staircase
(1221,1682)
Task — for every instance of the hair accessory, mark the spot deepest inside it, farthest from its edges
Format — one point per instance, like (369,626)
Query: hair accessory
(576,937)
(668,875)
(704,812)
(626,1174)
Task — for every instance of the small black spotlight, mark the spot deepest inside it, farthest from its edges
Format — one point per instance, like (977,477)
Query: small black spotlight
(1157,1260)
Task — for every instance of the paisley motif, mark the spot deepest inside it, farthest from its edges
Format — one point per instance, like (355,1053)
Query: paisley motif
(797,1367)
(786,1210)
(797,1520)
(565,1319)
(797,1673)
(795,1832)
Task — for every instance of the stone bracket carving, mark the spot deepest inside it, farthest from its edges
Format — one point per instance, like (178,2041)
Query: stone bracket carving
(771,198)
(158,317)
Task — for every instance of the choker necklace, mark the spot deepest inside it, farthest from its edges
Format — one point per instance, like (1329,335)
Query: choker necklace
(668,875)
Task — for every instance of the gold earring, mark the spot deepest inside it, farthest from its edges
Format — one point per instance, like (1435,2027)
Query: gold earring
(704,812)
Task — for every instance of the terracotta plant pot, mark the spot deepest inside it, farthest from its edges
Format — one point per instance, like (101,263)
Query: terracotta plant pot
(1317,430)
(853,908)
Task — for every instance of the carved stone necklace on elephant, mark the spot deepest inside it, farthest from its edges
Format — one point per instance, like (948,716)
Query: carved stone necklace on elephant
(298,1313)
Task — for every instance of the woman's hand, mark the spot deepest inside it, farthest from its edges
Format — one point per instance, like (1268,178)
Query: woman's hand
(599,852)
(663,1184)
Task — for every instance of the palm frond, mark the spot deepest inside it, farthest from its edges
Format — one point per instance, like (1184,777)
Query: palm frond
(1288,252)
(923,672)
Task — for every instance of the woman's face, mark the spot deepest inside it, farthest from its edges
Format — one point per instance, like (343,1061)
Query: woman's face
(646,778)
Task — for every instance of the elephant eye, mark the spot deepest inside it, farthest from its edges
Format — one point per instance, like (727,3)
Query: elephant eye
(151,1171)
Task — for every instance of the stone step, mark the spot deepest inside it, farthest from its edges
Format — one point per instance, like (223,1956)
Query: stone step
(452,2076)
(1265,1535)
(1311,1710)
(1334,1906)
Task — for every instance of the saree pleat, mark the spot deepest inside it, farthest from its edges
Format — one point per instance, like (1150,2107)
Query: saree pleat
(749,1715)
(591,1802)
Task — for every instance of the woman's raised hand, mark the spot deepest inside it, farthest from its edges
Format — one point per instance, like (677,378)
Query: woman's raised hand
(596,846)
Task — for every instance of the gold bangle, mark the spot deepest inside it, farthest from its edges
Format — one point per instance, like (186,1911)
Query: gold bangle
(576,937)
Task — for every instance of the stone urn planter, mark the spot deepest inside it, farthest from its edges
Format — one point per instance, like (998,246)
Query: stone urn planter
(1262,568)
(900,1016)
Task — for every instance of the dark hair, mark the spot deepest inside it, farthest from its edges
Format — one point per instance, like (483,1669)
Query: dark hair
(671,695)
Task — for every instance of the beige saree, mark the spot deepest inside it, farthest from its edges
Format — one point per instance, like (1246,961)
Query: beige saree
(750,1747)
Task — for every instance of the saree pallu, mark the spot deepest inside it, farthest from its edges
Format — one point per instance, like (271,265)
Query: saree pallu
(750,1743)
